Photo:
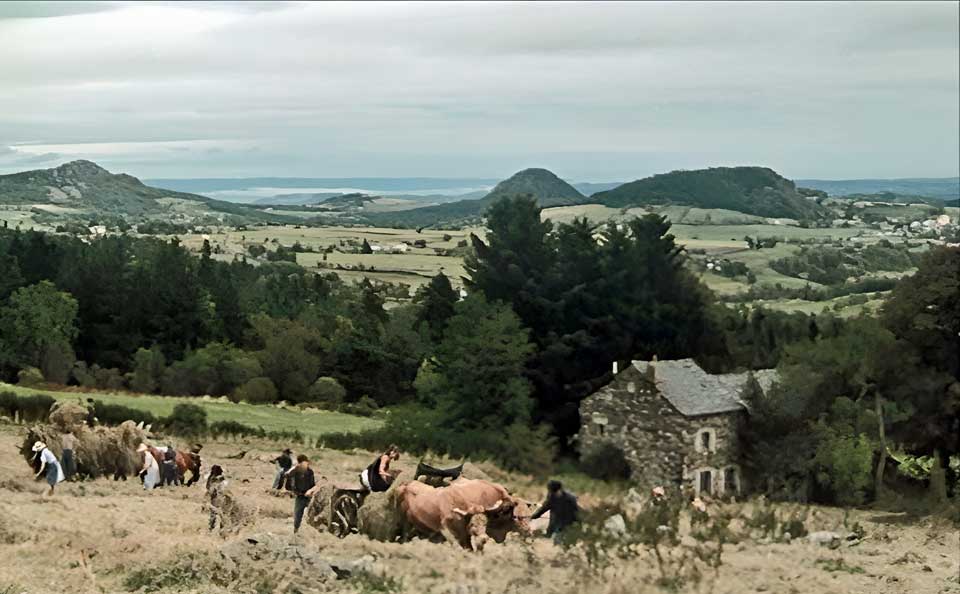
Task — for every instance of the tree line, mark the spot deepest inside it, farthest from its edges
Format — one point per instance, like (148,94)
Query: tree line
(549,308)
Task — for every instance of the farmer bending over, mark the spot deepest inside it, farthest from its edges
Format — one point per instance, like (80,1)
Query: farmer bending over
(563,509)
(377,477)
(49,463)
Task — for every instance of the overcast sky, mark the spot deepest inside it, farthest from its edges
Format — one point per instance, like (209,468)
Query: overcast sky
(591,91)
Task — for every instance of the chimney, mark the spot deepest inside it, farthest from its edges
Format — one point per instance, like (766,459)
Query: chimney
(616,368)
(652,369)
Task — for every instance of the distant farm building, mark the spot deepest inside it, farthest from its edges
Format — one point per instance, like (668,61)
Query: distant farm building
(675,423)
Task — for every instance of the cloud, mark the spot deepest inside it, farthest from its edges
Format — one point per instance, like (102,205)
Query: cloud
(815,89)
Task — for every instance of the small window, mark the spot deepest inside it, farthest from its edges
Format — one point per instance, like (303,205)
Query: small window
(705,441)
(730,484)
(706,481)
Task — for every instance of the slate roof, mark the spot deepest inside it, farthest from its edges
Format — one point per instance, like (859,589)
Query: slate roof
(693,391)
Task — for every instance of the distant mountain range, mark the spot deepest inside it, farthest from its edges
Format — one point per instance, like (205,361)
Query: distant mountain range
(372,184)
(942,188)
(81,188)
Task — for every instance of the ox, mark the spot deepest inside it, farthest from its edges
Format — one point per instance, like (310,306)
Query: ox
(467,512)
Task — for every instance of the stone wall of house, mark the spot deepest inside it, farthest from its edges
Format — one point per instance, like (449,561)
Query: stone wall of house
(660,444)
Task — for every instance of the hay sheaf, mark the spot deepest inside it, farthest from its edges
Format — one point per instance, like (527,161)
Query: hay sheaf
(101,451)
(380,518)
(68,416)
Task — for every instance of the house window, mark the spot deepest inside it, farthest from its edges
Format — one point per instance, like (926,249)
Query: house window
(730,483)
(706,440)
(706,481)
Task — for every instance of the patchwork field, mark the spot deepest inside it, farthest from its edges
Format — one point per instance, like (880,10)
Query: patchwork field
(111,537)
(311,423)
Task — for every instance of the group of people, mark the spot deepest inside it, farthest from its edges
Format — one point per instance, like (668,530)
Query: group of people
(152,473)
(297,478)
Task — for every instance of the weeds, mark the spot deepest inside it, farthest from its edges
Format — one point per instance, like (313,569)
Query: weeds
(838,564)
(371,583)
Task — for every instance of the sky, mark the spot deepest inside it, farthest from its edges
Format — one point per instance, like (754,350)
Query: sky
(593,91)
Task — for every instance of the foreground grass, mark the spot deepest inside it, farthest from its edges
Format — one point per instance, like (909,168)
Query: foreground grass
(271,418)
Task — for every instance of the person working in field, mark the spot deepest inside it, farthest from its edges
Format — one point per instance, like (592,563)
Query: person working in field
(48,463)
(171,475)
(563,509)
(284,463)
(67,442)
(151,470)
(300,480)
(216,484)
(377,477)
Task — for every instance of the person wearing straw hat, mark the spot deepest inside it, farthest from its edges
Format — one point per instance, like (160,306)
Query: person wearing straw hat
(151,470)
(49,463)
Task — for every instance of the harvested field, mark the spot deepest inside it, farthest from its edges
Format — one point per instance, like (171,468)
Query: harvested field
(111,537)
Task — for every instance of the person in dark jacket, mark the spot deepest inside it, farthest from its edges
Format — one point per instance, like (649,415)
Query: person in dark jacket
(300,481)
(284,463)
(563,509)
(171,475)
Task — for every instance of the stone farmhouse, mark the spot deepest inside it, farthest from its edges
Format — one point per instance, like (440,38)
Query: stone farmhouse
(676,424)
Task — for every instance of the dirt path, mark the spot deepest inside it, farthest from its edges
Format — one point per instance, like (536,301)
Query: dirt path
(92,536)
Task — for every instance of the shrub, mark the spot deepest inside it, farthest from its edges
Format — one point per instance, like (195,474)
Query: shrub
(187,419)
(234,428)
(9,403)
(114,414)
(327,393)
(30,377)
(259,390)
(606,463)
(107,378)
(35,407)
(365,407)
(82,375)
(56,363)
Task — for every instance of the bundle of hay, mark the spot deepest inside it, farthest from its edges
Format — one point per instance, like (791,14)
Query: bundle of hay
(68,416)
(318,512)
(380,518)
(233,514)
(102,451)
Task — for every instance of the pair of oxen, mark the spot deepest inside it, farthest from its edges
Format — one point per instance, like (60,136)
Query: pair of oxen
(467,512)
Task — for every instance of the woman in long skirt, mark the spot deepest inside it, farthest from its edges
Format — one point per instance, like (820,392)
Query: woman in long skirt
(151,470)
(48,463)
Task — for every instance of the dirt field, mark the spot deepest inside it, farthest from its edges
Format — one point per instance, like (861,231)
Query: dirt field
(112,537)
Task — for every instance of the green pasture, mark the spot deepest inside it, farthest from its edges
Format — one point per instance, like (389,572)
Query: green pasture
(271,418)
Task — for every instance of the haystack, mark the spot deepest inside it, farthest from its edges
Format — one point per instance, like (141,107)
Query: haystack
(380,518)
(318,512)
(68,416)
(102,451)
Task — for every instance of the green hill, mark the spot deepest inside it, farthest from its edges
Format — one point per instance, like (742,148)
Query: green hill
(544,185)
(752,190)
(83,187)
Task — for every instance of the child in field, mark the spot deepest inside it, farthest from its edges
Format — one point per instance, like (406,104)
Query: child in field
(48,462)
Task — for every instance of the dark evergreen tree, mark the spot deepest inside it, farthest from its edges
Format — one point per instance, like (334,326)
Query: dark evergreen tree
(436,300)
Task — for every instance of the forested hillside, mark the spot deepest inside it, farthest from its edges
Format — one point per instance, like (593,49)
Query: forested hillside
(751,190)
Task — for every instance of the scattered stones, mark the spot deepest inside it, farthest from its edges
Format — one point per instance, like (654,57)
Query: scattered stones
(824,538)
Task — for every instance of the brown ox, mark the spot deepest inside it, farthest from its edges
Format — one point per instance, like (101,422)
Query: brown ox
(466,513)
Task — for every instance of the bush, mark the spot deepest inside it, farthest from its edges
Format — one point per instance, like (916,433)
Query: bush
(365,407)
(187,419)
(114,414)
(148,368)
(82,375)
(259,390)
(56,363)
(327,393)
(234,428)
(606,463)
(30,377)
(35,408)
(9,404)
(107,378)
